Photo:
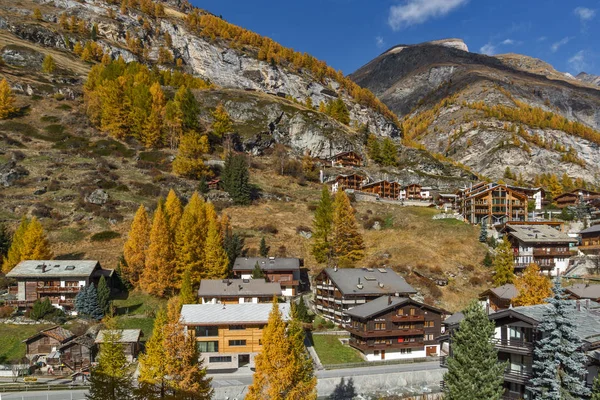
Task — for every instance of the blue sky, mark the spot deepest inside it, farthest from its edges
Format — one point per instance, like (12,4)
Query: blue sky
(349,33)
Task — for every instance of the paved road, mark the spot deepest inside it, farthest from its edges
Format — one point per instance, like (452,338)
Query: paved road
(52,395)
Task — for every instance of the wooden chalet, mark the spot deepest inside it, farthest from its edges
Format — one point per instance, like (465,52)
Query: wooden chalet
(339,289)
(391,327)
(215,184)
(57,280)
(499,298)
(238,291)
(492,204)
(344,182)
(575,197)
(79,353)
(346,159)
(413,191)
(384,189)
(583,291)
(590,240)
(282,270)
(129,338)
(44,346)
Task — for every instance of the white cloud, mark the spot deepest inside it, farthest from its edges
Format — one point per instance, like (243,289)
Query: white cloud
(578,62)
(507,42)
(556,45)
(379,41)
(413,12)
(489,49)
(542,39)
(584,13)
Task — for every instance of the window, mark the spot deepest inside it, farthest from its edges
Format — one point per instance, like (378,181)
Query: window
(237,327)
(429,324)
(380,326)
(412,311)
(219,359)
(237,342)
(429,337)
(205,331)
(208,347)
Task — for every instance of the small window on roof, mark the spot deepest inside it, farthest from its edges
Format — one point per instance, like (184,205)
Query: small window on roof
(370,269)
(382,270)
(70,267)
(246,280)
(369,278)
(56,265)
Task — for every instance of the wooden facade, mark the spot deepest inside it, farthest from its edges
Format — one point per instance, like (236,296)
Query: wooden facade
(413,191)
(493,204)
(590,240)
(129,339)
(79,353)
(347,159)
(499,298)
(46,342)
(384,189)
(575,197)
(394,327)
(285,271)
(345,182)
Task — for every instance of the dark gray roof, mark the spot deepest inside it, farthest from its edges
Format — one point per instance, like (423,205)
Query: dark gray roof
(230,314)
(591,229)
(454,319)
(539,234)
(376,306)
(584,290)
(238,287)
(373,281)
(53,268)
(127,335)
(266,264)
(586,321)
(505,292)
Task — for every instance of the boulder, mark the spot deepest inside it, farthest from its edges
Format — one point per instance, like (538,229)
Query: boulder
(41,190)
(98,196)
(10,172)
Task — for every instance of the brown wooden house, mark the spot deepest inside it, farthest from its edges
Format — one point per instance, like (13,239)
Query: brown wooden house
(575,197)
(79,353)
(344,182)
(413,191)
(57,280)
(391,327)
(237,291)
(284,270)
(384,189)
(44,345)
(590,240)
(499,298)
(493,204)
(129,338)
(346,159)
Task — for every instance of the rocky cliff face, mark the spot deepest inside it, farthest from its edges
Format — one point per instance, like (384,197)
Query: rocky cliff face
(413,79)
(589,78)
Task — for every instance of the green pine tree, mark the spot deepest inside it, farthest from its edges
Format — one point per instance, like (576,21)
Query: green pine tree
(474,372)
(186,293)
(103,295)
(389,153)
(373,148)
(5,240)
(234,247)
(504,264)
(300,311)
(483,233)
(236,179)
(264,249)
(257,273)
(323,226)
(596,389)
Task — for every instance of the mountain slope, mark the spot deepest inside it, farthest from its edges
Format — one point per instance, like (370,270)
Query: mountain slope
(414,81)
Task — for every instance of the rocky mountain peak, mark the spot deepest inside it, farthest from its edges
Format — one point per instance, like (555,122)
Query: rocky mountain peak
(589,78)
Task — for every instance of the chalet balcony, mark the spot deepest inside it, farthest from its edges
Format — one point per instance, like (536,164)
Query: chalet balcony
(386,332)
(513,346)
(408,318)
(325,286)
(551,253)
(365,347)
(58,289)
(515,376)
(29,303)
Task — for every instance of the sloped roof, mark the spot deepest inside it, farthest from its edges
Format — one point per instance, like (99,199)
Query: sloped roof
(374,281)
(584,290)
(238,287)
(53,268)
(56,332)
(230,314)
(504,292)
(538,234)
(84,340)
(127,335)
(591,229)
(266,264)
(383,304)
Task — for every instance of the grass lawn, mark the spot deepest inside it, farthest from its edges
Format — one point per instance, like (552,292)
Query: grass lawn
(11,336)
(332,351)
(137,303)
(136,322)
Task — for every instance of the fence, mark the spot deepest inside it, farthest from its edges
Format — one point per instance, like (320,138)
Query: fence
(376,363)
(36,387)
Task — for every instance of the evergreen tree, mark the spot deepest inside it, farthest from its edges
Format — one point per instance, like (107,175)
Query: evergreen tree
(236,179)
(559,364)
(322,223)
(189,107)
(7,100)
(203,185)
(153,364)
(257,272)
(508,173)
(474,372)
(41,308)
(186,293)
(389,153)
(35,244)
(134,250)
(153,132)
(373,148)
(173,211)
(222,122)
(483,233)
(216,263)
(488,260)
(264,249)
(188,162)
(103,295)
(300,311)
(533,288)
(283,370)
(158,277)
(5,241)
(111,378)
(48,65)
(596,389)
(234,247)
(190,238)
(348,245)
(504,264)
(14,253)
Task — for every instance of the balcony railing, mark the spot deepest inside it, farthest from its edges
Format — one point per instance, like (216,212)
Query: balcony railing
(384,346)
(551,253)
(407,318)
(386,332)
(58,289)
(512,345)
(515,376)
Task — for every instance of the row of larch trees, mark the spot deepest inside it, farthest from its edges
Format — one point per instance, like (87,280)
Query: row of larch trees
(336,235)
(29,242)
(158,252)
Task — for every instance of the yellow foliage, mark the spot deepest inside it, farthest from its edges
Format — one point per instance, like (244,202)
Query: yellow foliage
(134,250)
(7,100)
(158,277)
(533,287)
(189,162)
(348,245)
(14,255)
(35,245)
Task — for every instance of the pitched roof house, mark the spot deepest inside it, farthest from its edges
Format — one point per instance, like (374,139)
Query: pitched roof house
(284,270)
(45,344)
(232,291)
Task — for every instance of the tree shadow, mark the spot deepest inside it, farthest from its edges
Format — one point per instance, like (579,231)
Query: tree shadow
(70,256)
(344,390)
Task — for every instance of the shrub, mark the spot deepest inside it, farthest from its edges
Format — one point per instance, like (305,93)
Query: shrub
(104,236)
(6,311)
(59,96)
(269,228)
(41,309)
(476,280)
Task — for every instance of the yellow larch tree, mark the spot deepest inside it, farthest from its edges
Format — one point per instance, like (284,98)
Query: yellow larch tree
(7,100)
(222,123)
(504,267)
(187,294)
(173,211)
(190,237)
(158,277)
(134,250)
(533,288)
(188,162)
(348,245)
(35,244)
(14,255)
(153,133)
(153,364)
(216,263)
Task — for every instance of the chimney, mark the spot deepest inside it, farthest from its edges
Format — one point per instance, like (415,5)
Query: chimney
(44,267)
(223,306)
(587,304)
(335,269)
(389,300)
(578,305)
(359,280)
